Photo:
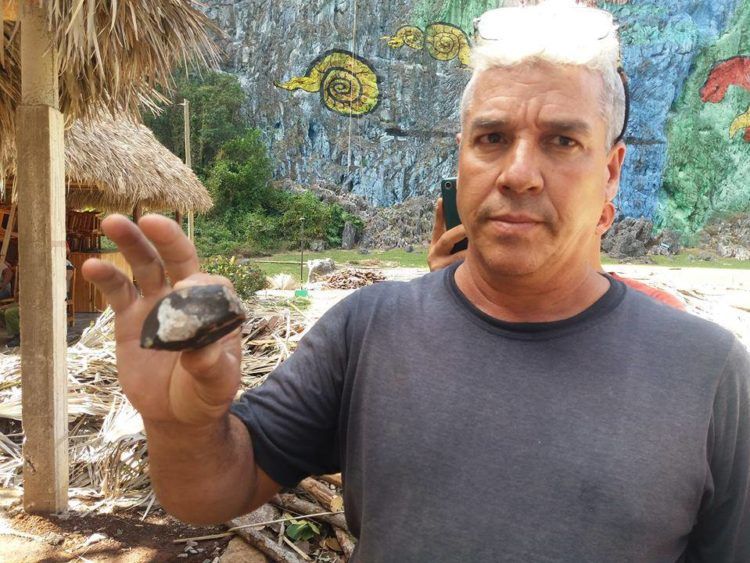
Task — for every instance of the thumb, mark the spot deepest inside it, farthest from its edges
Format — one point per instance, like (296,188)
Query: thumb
(215,370)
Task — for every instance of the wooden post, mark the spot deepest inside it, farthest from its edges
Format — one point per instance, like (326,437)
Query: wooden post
(188,163)
(41,238)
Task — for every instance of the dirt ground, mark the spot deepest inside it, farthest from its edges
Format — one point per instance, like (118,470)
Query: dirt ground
(123,537)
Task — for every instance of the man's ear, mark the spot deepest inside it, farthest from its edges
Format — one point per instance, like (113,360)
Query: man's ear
(614,169)
(606,218)
(458,139)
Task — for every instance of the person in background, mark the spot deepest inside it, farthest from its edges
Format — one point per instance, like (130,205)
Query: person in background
(439,256)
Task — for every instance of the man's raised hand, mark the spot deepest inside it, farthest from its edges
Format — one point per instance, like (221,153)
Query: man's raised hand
(193,387)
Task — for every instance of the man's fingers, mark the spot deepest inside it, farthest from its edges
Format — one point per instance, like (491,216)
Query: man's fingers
(175,249)
(456,234)
(143,258)
(438,225)
(449,239)
(116,287)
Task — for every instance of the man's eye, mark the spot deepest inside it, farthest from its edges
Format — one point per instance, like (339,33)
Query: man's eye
(492,138)
(563,141)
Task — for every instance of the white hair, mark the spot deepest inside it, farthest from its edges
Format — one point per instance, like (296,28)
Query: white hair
(557,32)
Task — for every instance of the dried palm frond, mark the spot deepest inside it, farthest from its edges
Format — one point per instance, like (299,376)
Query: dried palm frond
(113,55)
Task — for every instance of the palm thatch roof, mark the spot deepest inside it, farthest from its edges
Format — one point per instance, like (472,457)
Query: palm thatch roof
(114,165)
(113,54)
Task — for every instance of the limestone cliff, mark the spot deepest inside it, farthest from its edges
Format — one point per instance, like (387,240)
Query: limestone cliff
(394,137)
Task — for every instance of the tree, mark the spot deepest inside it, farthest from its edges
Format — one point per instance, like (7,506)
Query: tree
(216,116)
(239,180)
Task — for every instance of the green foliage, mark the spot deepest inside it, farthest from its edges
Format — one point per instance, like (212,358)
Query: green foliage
(316,215)
(303,530)
(239,180)
(246,278)
(250,216)
(216,116)
(339,217)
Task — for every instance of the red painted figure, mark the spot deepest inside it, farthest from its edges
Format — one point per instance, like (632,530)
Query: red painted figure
(732,72)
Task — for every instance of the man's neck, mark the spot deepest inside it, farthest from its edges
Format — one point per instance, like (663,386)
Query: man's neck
(533,298)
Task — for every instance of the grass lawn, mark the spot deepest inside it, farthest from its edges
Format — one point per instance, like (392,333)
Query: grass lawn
(418,259)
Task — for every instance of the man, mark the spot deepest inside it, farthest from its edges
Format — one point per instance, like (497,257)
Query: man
(442,243)
(499,410)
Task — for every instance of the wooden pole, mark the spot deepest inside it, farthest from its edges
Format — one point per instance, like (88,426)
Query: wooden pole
(188,163)
(41,238)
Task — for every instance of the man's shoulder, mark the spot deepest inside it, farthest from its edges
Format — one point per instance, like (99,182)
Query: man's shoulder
(661,323)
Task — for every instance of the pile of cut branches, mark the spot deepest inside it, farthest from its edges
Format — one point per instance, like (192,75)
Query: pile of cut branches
(352,279)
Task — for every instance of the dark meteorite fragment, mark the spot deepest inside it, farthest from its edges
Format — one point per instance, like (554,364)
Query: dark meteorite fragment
(191,318)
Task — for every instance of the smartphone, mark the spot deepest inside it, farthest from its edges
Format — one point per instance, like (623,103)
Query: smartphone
(450,210)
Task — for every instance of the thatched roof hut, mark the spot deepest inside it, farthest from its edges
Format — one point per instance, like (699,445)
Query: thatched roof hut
(115,165)
(112,55)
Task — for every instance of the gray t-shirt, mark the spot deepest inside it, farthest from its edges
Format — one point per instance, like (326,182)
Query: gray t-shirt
(620,434)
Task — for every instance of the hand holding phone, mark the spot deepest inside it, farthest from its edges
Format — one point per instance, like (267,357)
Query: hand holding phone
(448,189)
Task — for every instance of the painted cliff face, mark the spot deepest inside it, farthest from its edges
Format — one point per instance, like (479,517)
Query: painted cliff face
(732,72)
(383,124)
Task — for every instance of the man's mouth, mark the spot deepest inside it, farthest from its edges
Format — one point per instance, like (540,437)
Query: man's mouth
(514,223)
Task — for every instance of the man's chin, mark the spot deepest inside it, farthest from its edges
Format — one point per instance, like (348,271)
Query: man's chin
(507,264)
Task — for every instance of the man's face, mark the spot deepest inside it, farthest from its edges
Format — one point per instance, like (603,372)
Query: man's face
(535,173)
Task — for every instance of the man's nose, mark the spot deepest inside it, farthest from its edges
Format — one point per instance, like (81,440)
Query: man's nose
(520,170)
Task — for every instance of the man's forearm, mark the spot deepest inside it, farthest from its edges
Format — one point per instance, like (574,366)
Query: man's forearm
(202,475)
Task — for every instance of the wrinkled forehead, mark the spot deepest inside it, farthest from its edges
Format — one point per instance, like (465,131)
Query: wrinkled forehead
(573,90)
(550,94)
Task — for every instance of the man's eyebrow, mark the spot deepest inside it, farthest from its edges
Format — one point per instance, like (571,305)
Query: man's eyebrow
(558,125)
(567,126)
(489,123)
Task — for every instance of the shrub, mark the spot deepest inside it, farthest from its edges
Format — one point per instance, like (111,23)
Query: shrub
(317,217)
(339,217)
(239,180)
(214,237)
(246,278)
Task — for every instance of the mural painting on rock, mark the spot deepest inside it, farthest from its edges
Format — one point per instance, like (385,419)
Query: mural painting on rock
(348,85)
(732,72)
(682,165)
(442,41)
(708,156)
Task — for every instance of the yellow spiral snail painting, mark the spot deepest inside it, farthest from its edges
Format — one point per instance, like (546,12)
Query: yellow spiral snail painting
(348,85)
(443,41)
